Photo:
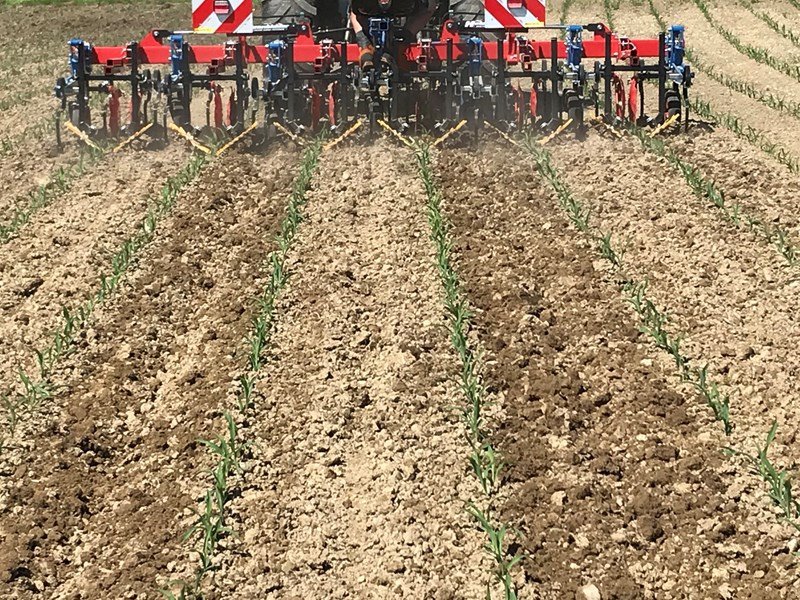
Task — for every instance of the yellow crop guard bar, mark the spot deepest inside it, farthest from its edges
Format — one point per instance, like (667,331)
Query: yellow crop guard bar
(135,136)
(237,138)
(342,137)
(189,137)
(449,133)
(395,133)
(561,128)
(81,135)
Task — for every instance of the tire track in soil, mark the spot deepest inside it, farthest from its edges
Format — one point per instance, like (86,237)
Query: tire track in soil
(360,474)
(608,478)
(98,510)
(57,257)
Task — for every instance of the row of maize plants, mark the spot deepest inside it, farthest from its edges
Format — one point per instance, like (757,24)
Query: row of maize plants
(484,460)
(751,135)
(609,7)
(653,323)
(60,182)
(760,55)
(37,387)
(565,6)
(33,132)
(211,524)
(779,28)
(705,189)
(770,99)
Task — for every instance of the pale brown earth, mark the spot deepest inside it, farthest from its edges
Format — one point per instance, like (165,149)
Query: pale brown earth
(358,486)
(148,380)
(356,476)
(56,259)
(616,473)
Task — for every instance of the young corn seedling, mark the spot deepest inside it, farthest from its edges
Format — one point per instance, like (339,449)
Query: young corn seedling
(779,480)
(487,466)
(496,548)
(484,460)
(229,450)
(716,400)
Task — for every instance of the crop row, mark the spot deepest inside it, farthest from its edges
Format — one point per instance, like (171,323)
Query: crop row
(34,388)
(770,99)
(653,322)
(211,523)
(484,460)
(779,28)
(60,182)
(760,55)
(706,189)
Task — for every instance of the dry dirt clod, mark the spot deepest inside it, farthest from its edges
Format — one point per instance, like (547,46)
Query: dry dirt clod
(588,592)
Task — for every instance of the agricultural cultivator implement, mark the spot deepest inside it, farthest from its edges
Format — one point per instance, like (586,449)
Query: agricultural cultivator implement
(293,77)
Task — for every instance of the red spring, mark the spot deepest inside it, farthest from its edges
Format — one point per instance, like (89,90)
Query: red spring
(633,99)
(619,97)
(114,94)
(534,103)
(332,89)
(316,107)
(233,117)
(218,123)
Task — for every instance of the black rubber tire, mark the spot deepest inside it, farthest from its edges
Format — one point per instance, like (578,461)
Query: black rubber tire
(468,10)
(575,109)
(673,103)
(284,11)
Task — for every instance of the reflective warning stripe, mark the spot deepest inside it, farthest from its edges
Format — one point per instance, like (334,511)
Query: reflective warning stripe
(206,20)
(531,14)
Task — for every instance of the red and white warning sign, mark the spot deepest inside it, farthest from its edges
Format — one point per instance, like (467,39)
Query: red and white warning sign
(222,16)
(513,14)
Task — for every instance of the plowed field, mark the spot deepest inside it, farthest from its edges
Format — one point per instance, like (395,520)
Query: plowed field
(276,374)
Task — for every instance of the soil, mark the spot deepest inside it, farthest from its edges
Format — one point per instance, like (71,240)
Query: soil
(103,487)
(359,484)
(356,477)
(56,259)
(615,472)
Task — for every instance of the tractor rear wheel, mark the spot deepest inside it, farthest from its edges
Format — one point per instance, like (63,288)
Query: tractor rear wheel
(468,10)
(324,14)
